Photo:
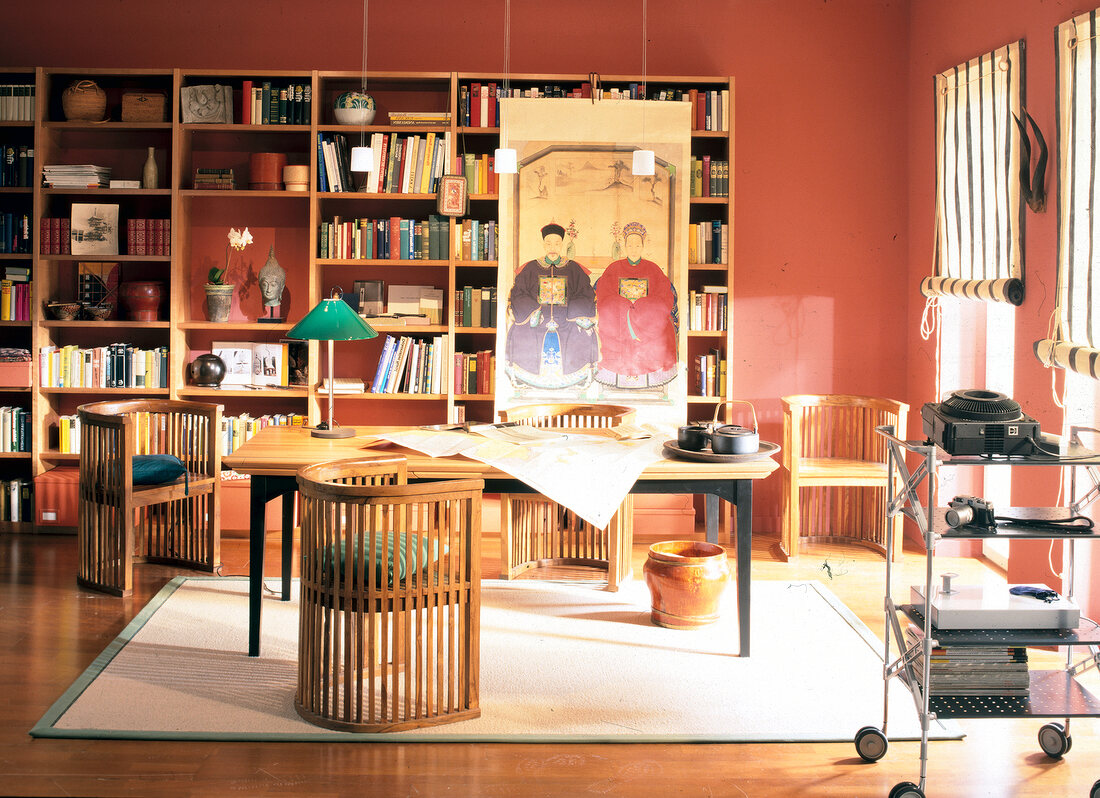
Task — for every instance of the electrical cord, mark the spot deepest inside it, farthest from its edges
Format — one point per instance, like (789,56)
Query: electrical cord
(1079,524)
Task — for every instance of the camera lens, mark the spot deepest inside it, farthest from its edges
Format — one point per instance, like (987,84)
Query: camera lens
(960,516)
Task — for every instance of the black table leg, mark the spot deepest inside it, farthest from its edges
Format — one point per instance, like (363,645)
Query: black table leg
(742,489)
(288,541)
(256,518)
(712,505)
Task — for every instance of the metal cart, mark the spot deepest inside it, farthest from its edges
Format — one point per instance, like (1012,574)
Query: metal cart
(1053,693)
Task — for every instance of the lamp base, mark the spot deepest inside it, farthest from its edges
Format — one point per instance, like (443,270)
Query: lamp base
(335,432)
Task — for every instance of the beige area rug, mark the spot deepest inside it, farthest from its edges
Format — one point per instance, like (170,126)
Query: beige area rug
(559,663)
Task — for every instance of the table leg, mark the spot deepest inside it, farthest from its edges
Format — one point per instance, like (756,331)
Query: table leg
(742,489)
(288,541)
(256,518)
(711,516)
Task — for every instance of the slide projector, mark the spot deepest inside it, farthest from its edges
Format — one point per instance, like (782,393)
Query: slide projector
(979,607)
(975,421)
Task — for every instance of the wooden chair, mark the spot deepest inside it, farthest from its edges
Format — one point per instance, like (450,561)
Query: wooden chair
(119,523)
(830,442)
(390,608)
(535,531)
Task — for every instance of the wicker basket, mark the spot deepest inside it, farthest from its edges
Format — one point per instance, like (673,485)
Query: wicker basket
(84,101)
(143,107)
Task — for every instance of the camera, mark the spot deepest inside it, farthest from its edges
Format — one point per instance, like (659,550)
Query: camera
(970,511)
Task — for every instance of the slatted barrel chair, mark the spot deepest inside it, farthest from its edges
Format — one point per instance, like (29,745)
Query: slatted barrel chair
(829,442)
(389,626)
(149,489)
(536,531)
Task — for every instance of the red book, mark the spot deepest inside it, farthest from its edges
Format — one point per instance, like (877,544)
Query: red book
(140,238)
(706,175)
(158,237)
(131,237)
(459,372)
(586,89)
(693,98)
(246,102)
(483,369)
(475,105)
(45,237)
(167,237)
(395,238)
(700,105)
(492,105)
(60,232)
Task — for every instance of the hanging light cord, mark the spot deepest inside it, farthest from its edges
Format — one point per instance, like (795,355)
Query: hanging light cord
(363,75)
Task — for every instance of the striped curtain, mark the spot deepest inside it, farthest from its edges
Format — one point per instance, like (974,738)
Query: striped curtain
(979,216)
(1075,334)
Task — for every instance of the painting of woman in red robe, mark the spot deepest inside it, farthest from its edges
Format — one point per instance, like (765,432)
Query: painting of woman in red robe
(636,319)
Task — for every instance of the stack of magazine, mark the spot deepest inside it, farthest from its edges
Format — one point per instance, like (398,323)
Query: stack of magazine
(76,176)
(971,670)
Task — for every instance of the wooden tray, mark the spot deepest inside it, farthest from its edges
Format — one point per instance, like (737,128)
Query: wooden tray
(767,449)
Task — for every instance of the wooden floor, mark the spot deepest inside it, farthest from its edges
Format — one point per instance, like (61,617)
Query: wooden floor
(51,631)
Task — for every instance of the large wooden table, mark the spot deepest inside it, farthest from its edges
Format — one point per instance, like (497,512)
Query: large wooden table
(272,457)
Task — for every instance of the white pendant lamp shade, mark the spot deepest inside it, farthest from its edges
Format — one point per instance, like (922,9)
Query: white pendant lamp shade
(643,162)
(504,161)
(362,159)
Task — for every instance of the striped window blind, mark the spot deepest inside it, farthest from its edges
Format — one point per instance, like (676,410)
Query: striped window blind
(1074,341)
(979,216)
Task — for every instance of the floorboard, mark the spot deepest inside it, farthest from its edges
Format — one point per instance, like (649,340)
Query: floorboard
(52,630)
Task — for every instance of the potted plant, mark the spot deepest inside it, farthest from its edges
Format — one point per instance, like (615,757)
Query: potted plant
(219,293)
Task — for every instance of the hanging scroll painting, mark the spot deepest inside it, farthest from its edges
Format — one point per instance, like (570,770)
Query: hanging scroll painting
(593,259)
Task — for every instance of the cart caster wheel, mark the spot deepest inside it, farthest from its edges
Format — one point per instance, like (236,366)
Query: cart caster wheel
(1095,791)
(1054,741)
(871,744)
(906,789)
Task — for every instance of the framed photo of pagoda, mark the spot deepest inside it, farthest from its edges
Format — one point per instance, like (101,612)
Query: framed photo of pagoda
(93,229)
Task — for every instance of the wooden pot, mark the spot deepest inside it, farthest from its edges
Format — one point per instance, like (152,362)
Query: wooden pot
(141,299)
(685,580)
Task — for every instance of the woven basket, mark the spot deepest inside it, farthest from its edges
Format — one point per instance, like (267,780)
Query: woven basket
(143,107)
(84,101)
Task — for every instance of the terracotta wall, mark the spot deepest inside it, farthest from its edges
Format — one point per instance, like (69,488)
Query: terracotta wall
(823,289)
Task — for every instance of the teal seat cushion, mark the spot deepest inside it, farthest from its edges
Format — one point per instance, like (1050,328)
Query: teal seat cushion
(157,469)
(395,559)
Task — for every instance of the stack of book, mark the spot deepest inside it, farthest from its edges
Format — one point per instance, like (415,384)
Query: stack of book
(972,670)
(214,179)
(15,294)
(442,118)
(76,176)
(17,500)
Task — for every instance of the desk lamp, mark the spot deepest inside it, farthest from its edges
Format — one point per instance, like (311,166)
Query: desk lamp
(332,319)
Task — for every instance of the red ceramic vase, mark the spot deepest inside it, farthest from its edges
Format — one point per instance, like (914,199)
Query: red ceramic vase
(141,300)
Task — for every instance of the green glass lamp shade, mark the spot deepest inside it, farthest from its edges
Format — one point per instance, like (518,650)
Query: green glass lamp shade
(332,320)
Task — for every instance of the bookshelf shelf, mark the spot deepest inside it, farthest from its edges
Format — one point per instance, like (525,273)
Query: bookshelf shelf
(16,190)
(196,127)
(25,324)
(106,391)
(252,393)
(230,327)
(106,258)
(99,325)
(15,455)
(374,397)
(381,262)
(107,127)
(708,267)
(243,193)
(106,192)
(16,389)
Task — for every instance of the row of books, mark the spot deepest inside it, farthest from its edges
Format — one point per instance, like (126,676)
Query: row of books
(17,500)
(477,240)
(710,177)
(15,299)
(410,365)
(113,366)
(266,104)
(479,103)
(235,430)
(15,233)
(708,308)
(68,434)
(214,179)
(475,307)
(394,238)
(16,165)
(971,670)
(473,372)
(15,429)
(53,236)
(17,102)
(148,236)
(708,242)
(76,176)
(479,174)
(402,164)
(708,374)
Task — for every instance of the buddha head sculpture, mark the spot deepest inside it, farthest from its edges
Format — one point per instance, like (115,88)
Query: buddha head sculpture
(272,280)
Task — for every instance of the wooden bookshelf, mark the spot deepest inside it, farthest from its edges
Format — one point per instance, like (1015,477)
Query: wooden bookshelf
(287,220)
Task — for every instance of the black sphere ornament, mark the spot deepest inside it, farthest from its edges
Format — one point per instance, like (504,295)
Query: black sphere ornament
(207,371)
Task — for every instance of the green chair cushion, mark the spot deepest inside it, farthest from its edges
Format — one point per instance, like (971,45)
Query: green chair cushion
(395,558)
(157,469)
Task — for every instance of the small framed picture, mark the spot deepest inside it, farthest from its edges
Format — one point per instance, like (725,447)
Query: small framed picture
(453,199)
(93,229)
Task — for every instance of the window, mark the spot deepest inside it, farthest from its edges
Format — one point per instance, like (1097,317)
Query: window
(1074,342)
(979,216)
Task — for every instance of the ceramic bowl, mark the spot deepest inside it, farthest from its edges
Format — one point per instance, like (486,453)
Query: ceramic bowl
(732,439)
(354,108)
(65,311)
(98,312)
